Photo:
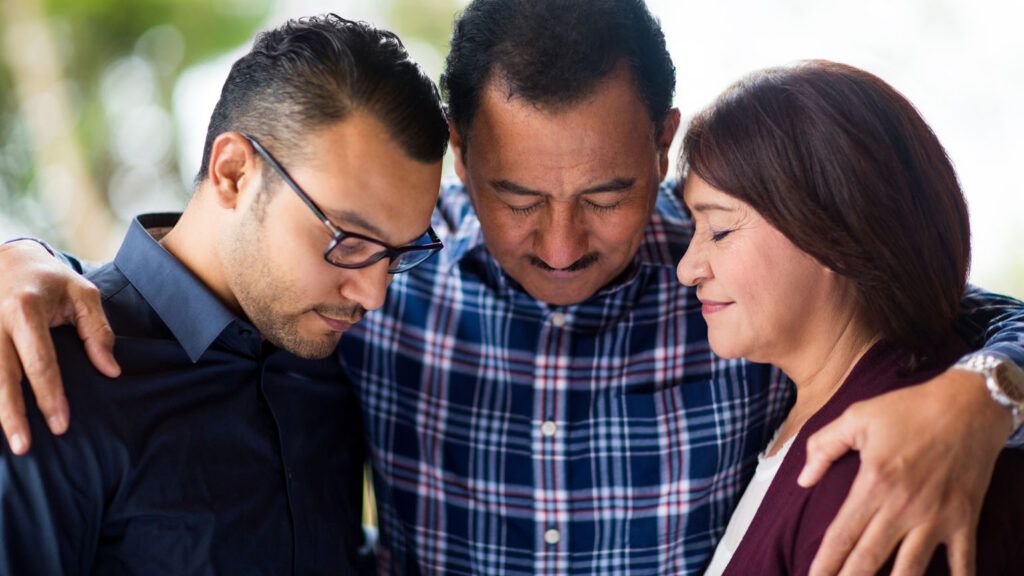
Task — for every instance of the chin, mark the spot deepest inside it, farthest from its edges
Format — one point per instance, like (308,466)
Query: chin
(723,347)
(560,293)
(559,297)
(308,348)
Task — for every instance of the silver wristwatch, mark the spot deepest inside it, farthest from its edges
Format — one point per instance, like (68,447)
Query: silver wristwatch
(1005,382)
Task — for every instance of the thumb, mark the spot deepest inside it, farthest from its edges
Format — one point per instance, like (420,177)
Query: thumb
(826,446)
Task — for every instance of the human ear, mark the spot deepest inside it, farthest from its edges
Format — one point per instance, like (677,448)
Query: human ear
(458,145)
(232,168)
(669,127)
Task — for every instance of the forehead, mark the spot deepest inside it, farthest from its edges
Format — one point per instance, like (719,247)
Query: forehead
(609,131)
(354,167)
(696,189)
(702,198)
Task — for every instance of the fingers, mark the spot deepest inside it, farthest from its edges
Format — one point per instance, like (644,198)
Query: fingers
(962,552)
(916,552)
(12,404)
(846,529)
(34,345)
(94,330)
(826,446)
(874,547)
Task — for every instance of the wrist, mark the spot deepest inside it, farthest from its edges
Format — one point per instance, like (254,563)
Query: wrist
(28,241)
(1003,381)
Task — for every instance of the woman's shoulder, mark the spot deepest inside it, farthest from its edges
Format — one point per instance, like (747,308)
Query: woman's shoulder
(1001,525)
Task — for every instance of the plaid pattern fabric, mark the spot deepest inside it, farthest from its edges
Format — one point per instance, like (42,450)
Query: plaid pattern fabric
(512,437)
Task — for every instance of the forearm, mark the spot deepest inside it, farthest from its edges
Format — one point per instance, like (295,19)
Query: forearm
(995,325)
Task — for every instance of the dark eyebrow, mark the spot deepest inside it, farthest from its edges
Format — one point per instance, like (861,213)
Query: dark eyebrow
(613,185)
(513,188)
(351,219)
(709,206)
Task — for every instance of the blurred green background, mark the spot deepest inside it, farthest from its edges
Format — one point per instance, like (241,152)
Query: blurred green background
(92,94)
(104,103)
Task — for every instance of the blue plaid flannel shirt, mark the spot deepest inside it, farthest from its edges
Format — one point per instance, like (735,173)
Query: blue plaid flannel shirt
(512,437)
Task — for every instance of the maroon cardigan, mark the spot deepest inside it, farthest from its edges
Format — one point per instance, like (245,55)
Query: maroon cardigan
(789,525)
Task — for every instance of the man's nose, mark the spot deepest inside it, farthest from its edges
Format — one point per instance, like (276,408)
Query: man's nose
(562,238)
(367,286)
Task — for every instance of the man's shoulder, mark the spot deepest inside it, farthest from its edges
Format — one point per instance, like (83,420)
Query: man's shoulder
(127,311)
(85,386)
(108,280)
(91,449)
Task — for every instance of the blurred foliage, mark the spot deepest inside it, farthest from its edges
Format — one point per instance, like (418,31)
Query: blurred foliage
(430,22)
(109,28)
(15,163)
(90,36)
(96,33)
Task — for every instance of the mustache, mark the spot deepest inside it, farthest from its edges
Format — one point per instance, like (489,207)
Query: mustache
(352,313)
(586,261)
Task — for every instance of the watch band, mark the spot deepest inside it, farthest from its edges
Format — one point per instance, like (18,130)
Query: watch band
(1004,380)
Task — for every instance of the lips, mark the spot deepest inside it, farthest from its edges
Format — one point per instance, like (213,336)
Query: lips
(708,307)
(335,324)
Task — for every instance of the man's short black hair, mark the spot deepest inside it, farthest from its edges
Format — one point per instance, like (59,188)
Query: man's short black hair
(312,72)
(554,53)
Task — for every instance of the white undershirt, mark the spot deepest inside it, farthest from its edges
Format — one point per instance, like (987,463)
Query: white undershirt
(767,466)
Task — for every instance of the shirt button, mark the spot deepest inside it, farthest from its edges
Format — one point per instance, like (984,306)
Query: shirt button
(558,319)
(552,536)
(548,428)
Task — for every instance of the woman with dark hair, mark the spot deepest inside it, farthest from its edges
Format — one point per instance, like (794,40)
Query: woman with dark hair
(832,240)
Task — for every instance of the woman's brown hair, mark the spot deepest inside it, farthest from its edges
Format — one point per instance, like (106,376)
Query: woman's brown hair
(847,169)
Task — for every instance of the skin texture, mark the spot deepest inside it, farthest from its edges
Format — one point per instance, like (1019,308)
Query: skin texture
(564,195)
(268,264)
(747,274)
(926,451)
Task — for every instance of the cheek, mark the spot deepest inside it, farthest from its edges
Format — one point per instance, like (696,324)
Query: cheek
(295,265)
(620,231)
(784,295)
(506,232)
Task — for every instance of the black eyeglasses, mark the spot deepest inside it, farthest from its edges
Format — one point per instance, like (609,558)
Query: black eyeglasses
(350,250)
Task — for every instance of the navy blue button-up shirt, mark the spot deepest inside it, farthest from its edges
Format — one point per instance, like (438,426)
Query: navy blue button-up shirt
(213,453)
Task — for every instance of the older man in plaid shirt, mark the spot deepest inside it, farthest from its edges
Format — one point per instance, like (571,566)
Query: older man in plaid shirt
(540,397)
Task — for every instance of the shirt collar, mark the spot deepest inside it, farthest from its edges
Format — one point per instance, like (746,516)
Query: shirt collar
(192,313)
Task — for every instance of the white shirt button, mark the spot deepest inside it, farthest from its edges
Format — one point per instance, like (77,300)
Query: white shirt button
(548,428)
(552,536)
(558,319)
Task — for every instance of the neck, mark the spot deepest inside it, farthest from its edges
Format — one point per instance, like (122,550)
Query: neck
(194,241)
(819,369)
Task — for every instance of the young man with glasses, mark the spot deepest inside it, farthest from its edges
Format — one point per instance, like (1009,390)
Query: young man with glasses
(231,443)
(354,251)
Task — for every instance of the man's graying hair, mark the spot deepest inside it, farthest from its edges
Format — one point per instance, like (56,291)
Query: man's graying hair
(555,53)
(312,72)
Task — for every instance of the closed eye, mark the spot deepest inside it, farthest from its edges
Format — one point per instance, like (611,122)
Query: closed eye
(603,207)
(522,210)
(719,236)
